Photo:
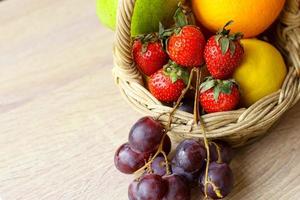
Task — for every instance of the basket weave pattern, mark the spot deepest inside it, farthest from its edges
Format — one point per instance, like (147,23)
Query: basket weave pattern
(237,127)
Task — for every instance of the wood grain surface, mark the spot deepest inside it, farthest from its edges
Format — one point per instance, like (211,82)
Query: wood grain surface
(62,117)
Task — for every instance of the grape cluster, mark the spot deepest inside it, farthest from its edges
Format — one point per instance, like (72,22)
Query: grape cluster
(146,152)
(189,162)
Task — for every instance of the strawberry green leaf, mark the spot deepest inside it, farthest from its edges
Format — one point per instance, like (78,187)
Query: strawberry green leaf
(232,48)
(161,29)
(175,72)
(224,44)
(207,85)
(180,18)
(217,39)
(226,87)
(173,77)
(145,47)
(217,91)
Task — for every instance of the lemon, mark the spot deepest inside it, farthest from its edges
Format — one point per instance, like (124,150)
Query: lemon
(261,72)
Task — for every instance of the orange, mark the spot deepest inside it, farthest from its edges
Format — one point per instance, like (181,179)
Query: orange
(250,17)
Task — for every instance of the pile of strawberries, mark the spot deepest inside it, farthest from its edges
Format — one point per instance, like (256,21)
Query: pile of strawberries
(167,57)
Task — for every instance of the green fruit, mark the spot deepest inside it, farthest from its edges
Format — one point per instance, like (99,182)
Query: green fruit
(146,15)
(107,12)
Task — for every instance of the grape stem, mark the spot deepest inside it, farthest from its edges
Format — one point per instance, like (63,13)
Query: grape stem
(199,121)
(183,93)
(218,152)
(160,148)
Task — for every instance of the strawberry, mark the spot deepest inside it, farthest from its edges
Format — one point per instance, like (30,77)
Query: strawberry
(148,54)
(168,83)
(219,95)
(223,53)
(186,46)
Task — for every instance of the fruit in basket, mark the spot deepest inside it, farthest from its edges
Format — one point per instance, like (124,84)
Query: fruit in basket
(220,178)
(146,16)
(219,95)
(251,17)
(168,83)
(223,53)
(186,46)
(261,72)
(107,12)
(146,135)
(148,54)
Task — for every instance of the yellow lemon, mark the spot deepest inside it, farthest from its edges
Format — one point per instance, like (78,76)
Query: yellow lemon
(261,72)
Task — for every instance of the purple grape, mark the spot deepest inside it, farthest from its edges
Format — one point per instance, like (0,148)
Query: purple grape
(177,188)
(226,152)
(151,187)
(167,145)
(127,160)
(187,105)
(190,155)
(146,135)
(132,191)
(159,166)
(221,176)
(190,177)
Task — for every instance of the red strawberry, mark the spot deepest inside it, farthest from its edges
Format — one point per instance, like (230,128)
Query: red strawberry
(168,83)
(223,53)
(148,54)
(219,95)
(186,46)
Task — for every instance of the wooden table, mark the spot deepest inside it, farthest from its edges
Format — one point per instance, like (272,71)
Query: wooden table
(62,117)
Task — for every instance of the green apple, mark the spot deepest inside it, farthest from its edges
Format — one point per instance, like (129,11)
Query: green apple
(107,12)
(146,15)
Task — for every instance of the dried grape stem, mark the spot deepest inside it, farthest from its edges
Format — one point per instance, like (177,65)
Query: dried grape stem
(199,120)
(183,93)
(218,151)
(167,163)
(160,148)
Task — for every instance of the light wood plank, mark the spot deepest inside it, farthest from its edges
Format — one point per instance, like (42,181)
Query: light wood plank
(62,117)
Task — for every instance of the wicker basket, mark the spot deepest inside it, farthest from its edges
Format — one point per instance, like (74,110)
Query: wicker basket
(237,127)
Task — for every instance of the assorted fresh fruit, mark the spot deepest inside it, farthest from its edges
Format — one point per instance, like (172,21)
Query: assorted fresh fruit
(168,83)
(261,72)
(149,54)
(219,95)
(252,17)
(163,177)
(186,46)
(223,53)
(146,16)
(237,72)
